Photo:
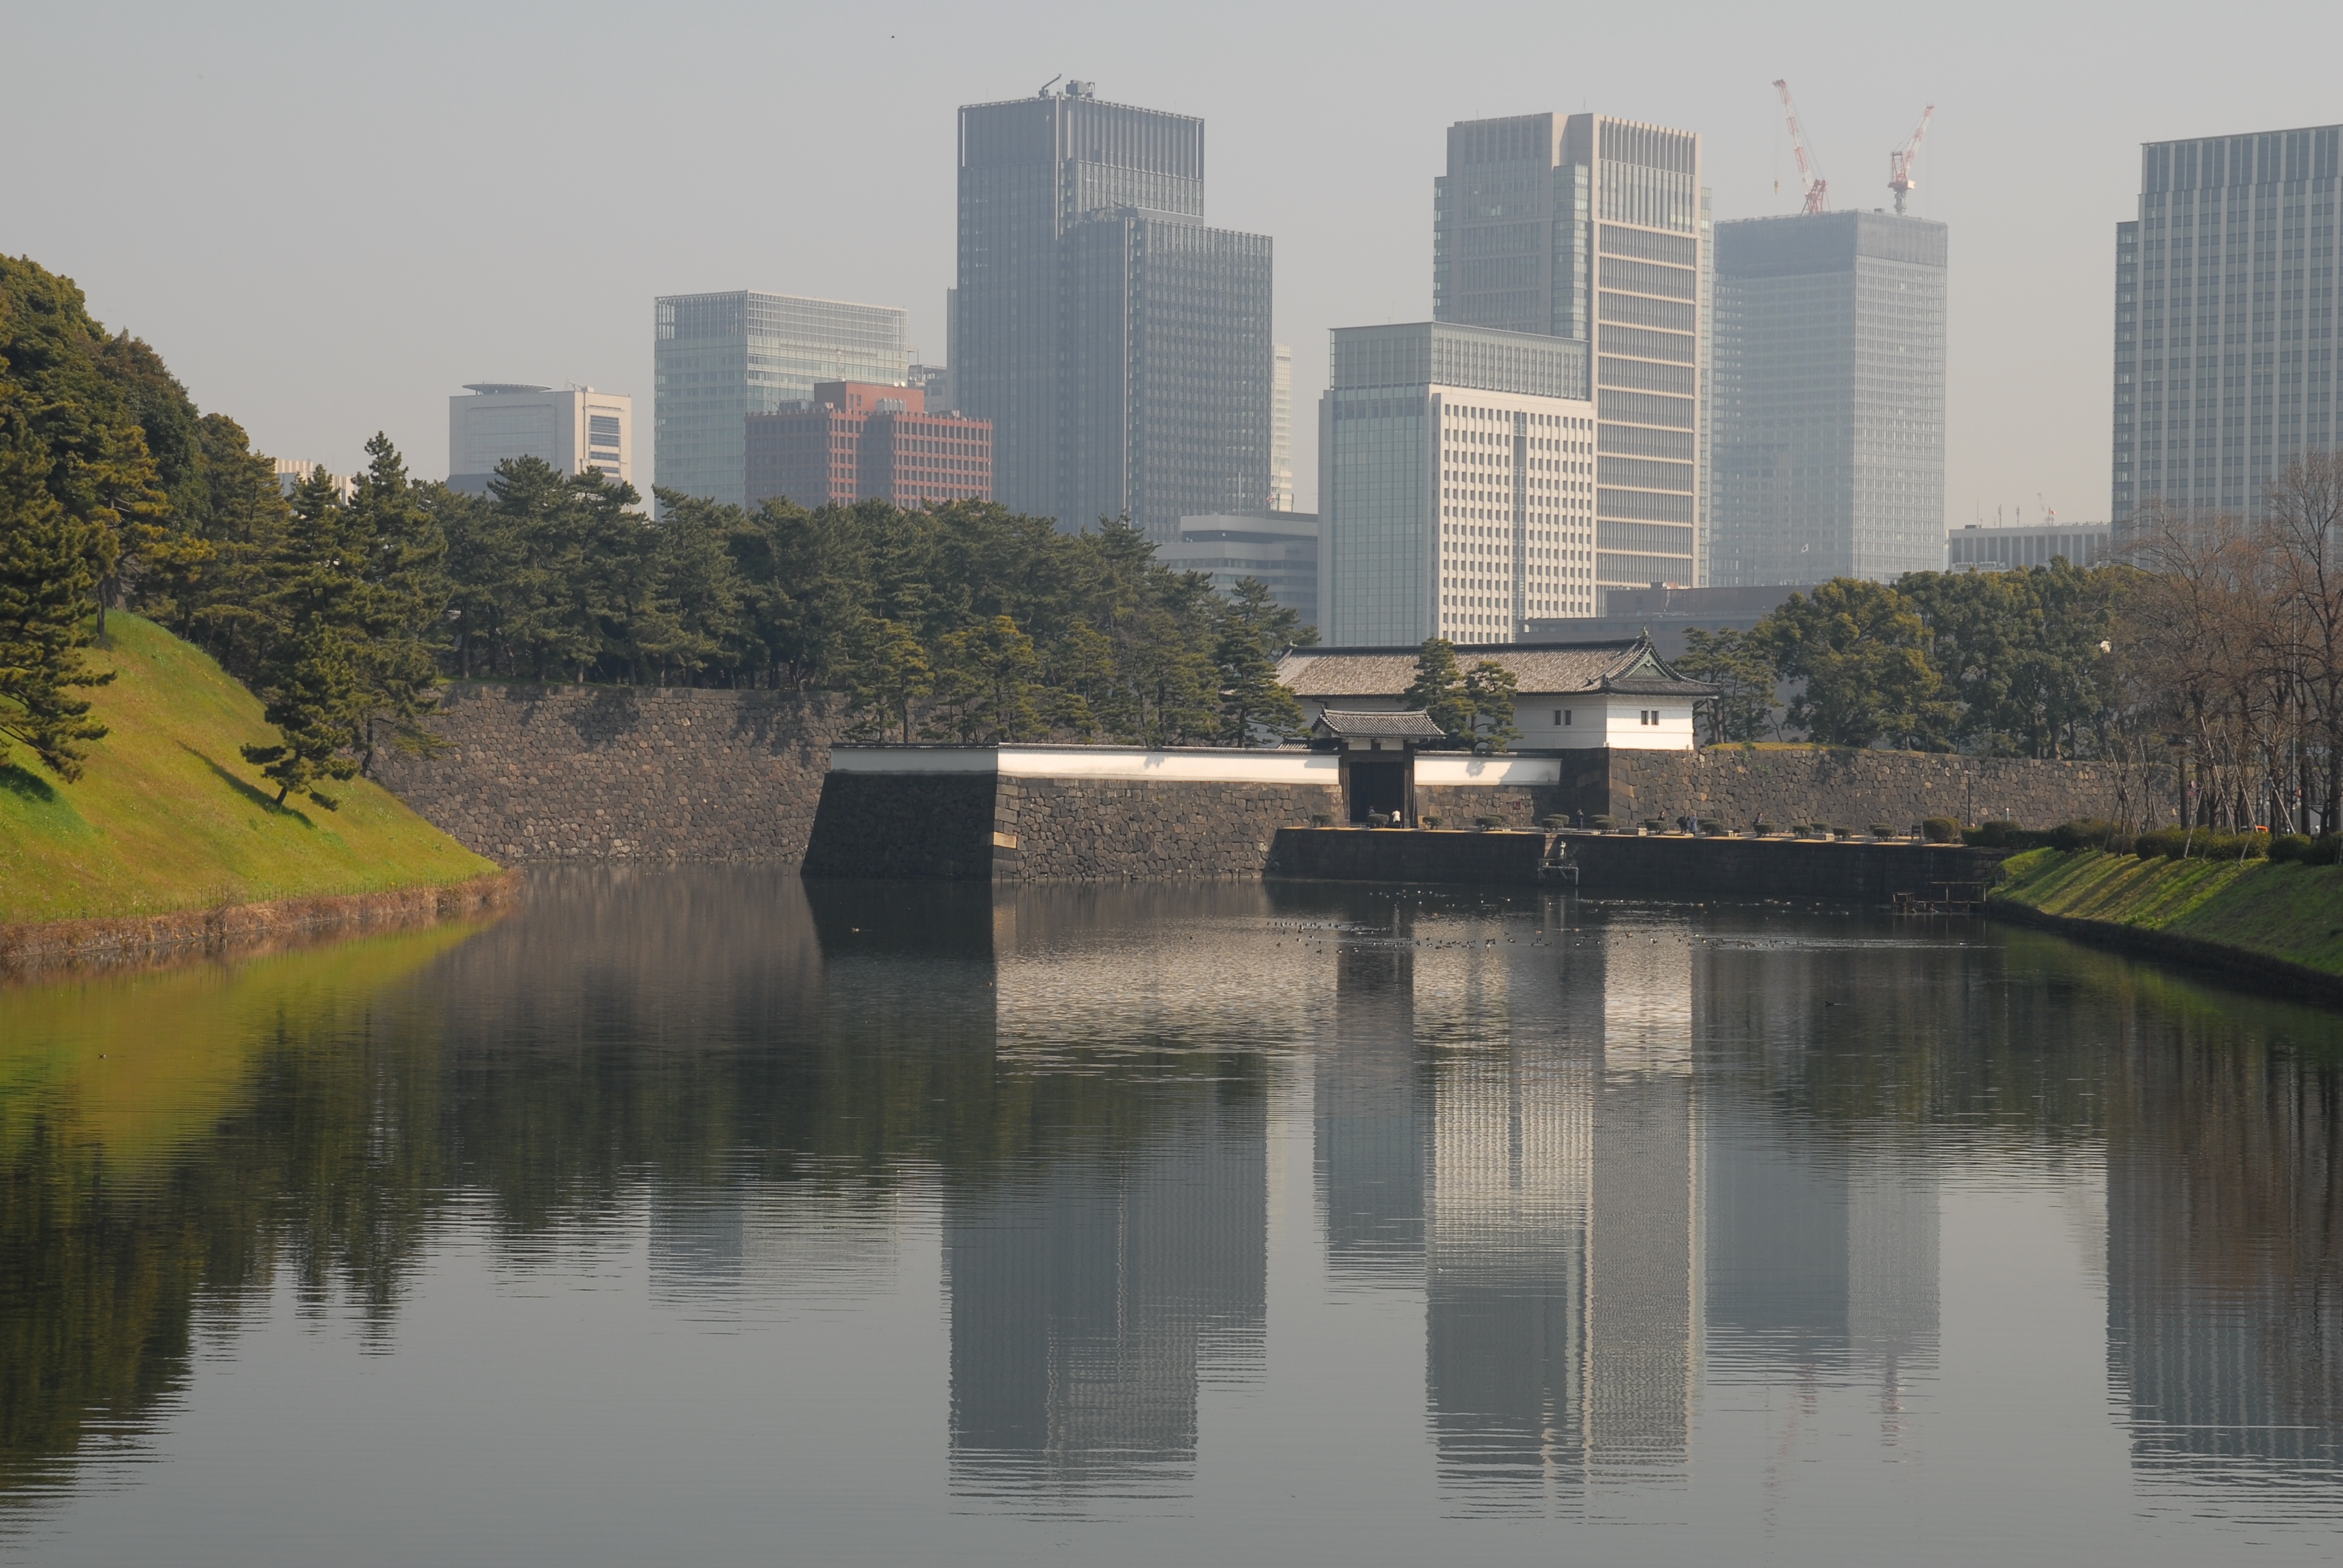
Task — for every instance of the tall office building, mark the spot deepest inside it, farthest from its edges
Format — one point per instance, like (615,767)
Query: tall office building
(1119,348)
(1281,430)
(573,428)
(2225,364)
(1827,450)
(1596,229)
(1456,496)
(719,357)
(1278,550)
(853,440)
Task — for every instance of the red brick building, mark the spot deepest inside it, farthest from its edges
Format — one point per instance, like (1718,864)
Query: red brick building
(856,440)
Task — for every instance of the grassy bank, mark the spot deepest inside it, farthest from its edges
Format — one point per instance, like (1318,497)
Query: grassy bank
(168,816)
(2286,914)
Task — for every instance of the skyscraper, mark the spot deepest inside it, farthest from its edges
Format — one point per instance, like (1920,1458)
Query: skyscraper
(1827,453)
(2225,361)
(1119,348)
(1596,229)
(573,428)
(719,357)
(1281,430)
(1455,493)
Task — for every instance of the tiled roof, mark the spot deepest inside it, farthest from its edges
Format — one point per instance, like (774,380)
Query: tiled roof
(1539,669)
(1412,724)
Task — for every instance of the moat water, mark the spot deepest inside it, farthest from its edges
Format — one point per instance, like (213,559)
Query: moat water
(706,1216)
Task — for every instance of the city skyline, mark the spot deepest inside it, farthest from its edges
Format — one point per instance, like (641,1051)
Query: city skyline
(2031,318)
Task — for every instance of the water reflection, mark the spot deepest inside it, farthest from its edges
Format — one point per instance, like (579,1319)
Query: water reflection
(1636,1183)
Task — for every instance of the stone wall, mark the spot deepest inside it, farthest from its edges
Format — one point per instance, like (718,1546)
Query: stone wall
(927,826)
(1841,787)
(1118,830)
(957,825)
(537,773)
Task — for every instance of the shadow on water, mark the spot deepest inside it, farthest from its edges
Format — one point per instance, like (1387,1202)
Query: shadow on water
(1616,1153)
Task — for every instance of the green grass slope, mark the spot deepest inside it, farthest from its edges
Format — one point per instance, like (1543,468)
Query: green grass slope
(2290,912)
(168,815)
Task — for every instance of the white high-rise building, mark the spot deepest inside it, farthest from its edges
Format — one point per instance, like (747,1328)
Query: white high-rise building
(571,428)
(1597,229)
(1456,484)
(1281,430)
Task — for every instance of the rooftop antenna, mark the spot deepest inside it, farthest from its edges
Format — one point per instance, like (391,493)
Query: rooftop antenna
(1049,84)
(1900,161)
(1817,187)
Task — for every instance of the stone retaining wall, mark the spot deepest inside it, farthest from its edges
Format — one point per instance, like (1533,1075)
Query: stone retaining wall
(1841,787)
(1116,829)
(960,825)
(545,773)
(537,773)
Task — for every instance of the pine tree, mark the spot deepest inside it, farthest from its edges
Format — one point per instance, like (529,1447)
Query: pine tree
(47,571)
(312,694)
(312,685)
(890,674)
(1438,689)
(1489,688)
(400,556)
(1253,627)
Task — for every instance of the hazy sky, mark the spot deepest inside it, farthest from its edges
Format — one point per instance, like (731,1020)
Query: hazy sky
(327,218)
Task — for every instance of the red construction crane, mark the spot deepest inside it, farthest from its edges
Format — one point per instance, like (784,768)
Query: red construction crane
(1817,187)
(1900,162)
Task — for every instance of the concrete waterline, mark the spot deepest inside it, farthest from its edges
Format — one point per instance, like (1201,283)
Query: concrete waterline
(1860,872)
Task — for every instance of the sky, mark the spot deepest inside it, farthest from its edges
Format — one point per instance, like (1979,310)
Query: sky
(327,218)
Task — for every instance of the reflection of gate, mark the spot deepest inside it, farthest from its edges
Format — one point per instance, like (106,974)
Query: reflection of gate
(1375,786)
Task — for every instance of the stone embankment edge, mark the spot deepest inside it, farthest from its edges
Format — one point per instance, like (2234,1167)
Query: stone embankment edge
(2238,965)
(243,930)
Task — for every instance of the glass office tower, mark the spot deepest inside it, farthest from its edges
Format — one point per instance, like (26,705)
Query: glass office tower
(719,357)
(2225,363)
(1120,346)
(1457,491)
(1596,229)
(1827,445)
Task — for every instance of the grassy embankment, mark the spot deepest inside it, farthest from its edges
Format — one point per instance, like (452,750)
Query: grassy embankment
(169,816)
(2289,915)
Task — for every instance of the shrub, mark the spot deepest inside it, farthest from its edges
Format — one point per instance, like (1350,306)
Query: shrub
(1557,821)
(1998,834)
(1606,824)
(2290,847)
(2091,833)
(1941,830)
(1321,819)
(1881,830)
(2204,844)
(1653,824)
(1429,820)
(1488,822)
(1764,829)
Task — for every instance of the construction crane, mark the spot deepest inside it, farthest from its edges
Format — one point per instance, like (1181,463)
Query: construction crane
(1817,187)
(1900,161)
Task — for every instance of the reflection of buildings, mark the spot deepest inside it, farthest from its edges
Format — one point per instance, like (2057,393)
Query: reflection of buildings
(1094,1284)
(1816,1257)
(2225,1264)
(1820,1249)
(1545,1145)
(1370,1120)
(1107,1251)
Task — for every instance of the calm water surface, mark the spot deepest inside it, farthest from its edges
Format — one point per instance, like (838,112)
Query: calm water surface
(706,1217)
